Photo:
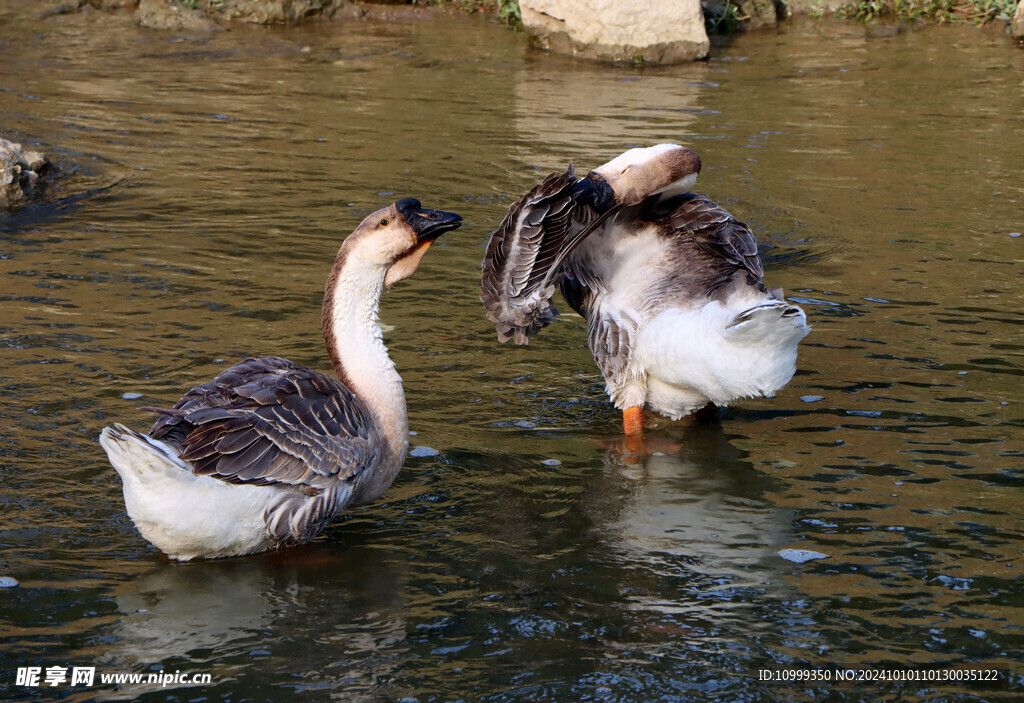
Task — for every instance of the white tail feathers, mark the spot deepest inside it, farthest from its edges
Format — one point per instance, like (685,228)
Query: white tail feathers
(182,514)
(775,321)
(717,354)
(122,444)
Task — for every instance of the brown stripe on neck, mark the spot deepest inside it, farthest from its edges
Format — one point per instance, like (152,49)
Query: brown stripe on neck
(327,318)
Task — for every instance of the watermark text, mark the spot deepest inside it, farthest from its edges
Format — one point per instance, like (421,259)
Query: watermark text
(53,676)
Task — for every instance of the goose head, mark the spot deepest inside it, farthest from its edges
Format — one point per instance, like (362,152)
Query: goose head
(396,237)
(665,169)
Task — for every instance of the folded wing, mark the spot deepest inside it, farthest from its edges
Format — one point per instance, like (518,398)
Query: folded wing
(727,244)
(269,421)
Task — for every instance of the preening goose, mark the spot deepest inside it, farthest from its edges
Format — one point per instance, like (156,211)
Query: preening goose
(670,285)
(268,452)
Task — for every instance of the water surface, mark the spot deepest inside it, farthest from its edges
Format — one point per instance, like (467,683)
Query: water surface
(212,180)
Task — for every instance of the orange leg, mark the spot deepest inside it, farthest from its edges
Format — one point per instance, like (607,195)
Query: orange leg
(635,444)
(633,420)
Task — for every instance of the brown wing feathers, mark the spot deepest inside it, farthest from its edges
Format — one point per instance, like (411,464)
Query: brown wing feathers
(517,281)
(717,233)
(530,252)
(267,420)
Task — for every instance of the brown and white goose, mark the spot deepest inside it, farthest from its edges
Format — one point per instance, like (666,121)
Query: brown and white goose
(268,452)
(669,282)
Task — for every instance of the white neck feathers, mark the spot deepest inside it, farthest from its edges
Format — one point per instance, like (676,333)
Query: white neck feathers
(683,185)
(356,346)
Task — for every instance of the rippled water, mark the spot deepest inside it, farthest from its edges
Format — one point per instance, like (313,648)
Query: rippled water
(212,180)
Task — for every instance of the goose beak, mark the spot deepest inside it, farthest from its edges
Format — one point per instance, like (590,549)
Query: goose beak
(431,224)
(596,191)
(427,226)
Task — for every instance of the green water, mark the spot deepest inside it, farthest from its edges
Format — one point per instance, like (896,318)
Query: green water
(211,182)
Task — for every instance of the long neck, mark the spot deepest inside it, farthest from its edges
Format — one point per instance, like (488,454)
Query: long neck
(360,359)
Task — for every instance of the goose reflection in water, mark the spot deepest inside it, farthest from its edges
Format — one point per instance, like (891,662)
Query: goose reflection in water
(701,512)
(218,617)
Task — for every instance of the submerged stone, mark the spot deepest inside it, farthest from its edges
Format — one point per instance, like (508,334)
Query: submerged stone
(799,556)
(23,174)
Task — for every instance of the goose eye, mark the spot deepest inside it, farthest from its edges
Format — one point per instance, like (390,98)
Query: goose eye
(383,223)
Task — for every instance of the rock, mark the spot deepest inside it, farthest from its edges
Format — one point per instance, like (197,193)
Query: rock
(656,31)
(62,7)
(749,14)
(1017,26)
(114,4)
(22,174)
(756,14)
(281,11)
(814,8)
(65,7)
(172,15)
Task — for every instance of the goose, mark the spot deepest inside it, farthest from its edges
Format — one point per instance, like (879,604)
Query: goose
(669,283)
(265,454)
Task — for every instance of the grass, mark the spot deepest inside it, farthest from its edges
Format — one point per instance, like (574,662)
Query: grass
(508,12)
(977,11)
(725,23)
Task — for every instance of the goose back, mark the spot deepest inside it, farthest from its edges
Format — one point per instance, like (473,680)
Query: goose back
(270,421)
(708,254)
(555,236)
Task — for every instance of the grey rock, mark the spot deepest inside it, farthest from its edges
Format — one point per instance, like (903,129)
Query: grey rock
(1017,25)
(172,15)
(282,11)
(114,4)
(756,14)
(22,174)
(815,8)
(749,14)
(655,31)
(62,7)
